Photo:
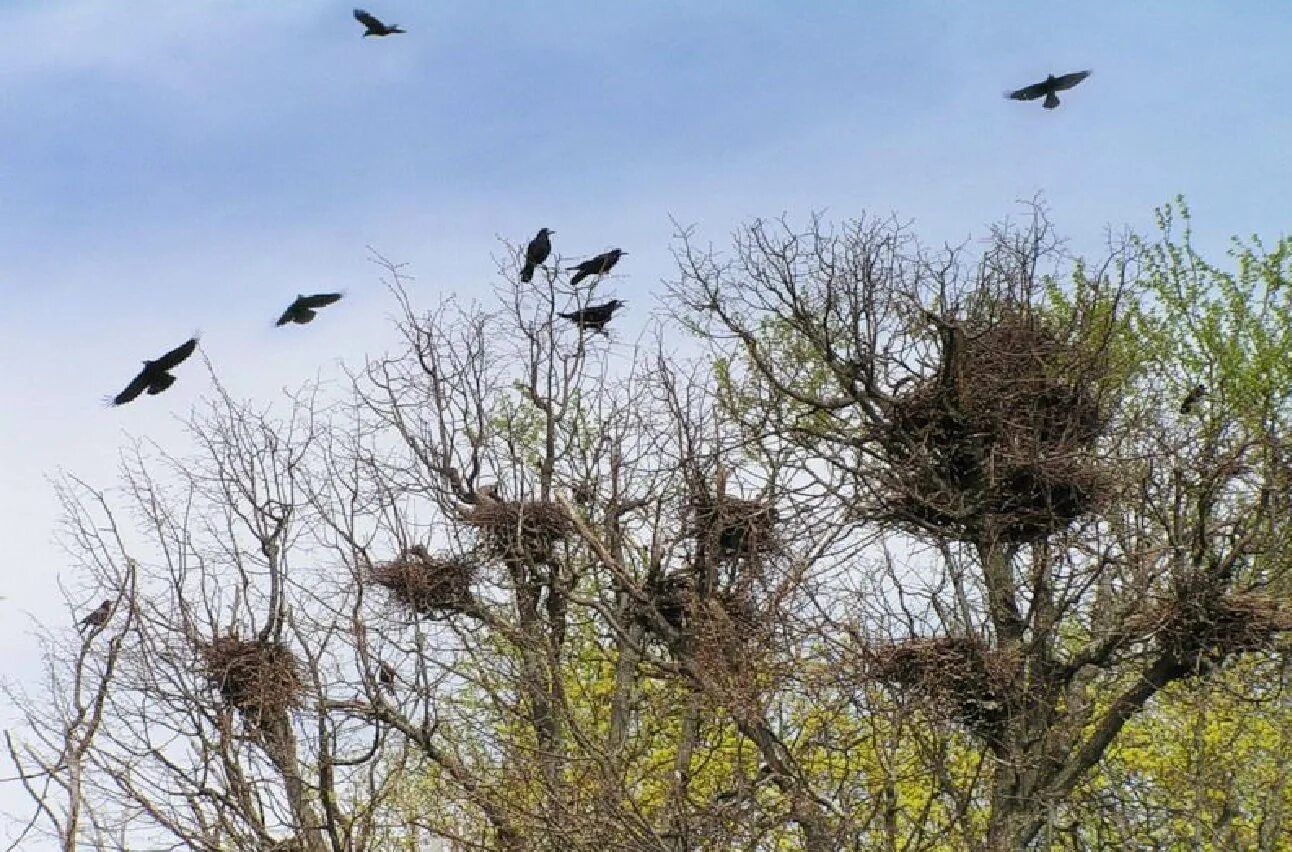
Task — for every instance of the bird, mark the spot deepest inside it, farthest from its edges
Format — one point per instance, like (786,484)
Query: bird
(305,308)
(594,317)
(99,617)
(599,265)
(1048,88)
(536,252)
(375,27)
(155,377)
(386,676)
(1191,399)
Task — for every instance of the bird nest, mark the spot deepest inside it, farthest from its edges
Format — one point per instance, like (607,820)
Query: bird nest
(260,679)
(1198,629)
(1002,440)
(425,584)
(960,678)
(527,530)
(734,527)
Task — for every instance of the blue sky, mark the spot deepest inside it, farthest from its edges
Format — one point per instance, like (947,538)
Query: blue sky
(168,166)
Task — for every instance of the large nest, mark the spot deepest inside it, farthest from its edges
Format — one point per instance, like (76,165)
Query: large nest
(734,527)
(960,678)
(260,679)
(1002,440)
(1199,630)
(526,530)
(426,584)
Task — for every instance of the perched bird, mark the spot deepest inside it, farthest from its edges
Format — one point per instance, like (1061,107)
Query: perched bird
(1048,88)
(1192,398)
(536,252)
(99,617)
(375,27)
(594,317)
(305,308)
(155,377)
(386,676)
(599,265)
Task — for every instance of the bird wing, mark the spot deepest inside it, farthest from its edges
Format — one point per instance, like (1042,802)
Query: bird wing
(288,314)
(176,356)
(136,387)
(1067,81)
(318,300)
(368,20)
(1029,93)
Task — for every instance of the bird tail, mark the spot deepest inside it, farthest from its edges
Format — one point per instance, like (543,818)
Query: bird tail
(570,316)
(576,279)
(527,274)
(1051,101)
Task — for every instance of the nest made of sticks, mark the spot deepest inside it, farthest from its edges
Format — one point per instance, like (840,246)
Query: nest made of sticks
(260,679)
(1201,629)
(520,529)
(1003,438)
(425,584)
(959,677)
(734,526)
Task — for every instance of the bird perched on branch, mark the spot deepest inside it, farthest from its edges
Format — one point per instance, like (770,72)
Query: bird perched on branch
(594,317)
(305,308)
(536,252)
(155,377)
(599,265)
(1048,88)
(1192,398)
(386,676)
(99,617)
(375,27)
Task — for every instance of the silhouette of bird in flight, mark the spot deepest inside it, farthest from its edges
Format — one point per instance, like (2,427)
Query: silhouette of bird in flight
(375,27)
(536,252)
(386,676)
(1192,398)
(599,265)
(99,617)
(1048,88)
(305,308)
(155,377)
(594,317)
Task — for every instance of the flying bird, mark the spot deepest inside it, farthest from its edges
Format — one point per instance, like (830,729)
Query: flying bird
(386,676)
(599,265)
(99,617)
(155,377)
(536,252)
(594,317)
(305,308)
(375,27)
(1048,88)
(1192,398)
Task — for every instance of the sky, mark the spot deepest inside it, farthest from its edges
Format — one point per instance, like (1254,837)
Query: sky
(167,167)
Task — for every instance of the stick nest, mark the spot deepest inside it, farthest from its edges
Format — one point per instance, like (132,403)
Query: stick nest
(1199,630)
(960,678)
(527,530)
(1002,440)
(260,679)
(425,584)
(733,526)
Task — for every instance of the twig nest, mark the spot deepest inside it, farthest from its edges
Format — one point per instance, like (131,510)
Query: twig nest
(525,530)
(260,679)
(959,677)
(1203,629)
(734,526)
(1003,439)
(425,584)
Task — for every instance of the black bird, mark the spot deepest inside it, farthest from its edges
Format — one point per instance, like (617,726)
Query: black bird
(99,617)
(375,27)
(386,676)
(1048,88)
(599,265)
(536,252)
(1192,398)
(305,308)
(155,377)
(594,317)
